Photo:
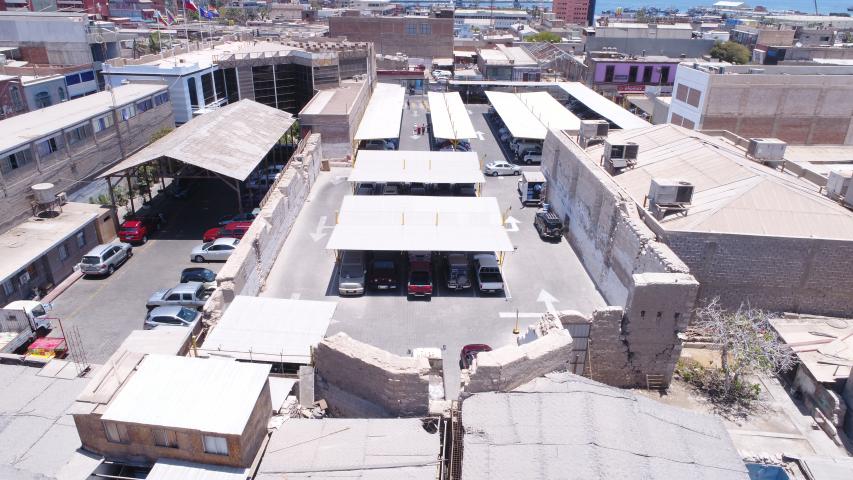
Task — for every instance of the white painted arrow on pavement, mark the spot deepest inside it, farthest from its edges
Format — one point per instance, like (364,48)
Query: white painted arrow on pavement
(479,135)
(318,233)
(548,299)
(513,225)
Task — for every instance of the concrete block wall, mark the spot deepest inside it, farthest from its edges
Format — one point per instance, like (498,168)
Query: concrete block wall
(399,386)
(802,275)
(247,268)
(549,348)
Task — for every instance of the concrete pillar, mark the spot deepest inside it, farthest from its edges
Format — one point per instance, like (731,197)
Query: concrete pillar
(306,386)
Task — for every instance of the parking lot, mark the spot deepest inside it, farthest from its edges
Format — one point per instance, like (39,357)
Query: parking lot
(105,310)
(538,275)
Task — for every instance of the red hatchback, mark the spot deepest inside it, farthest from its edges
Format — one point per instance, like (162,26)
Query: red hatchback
(420,280)
(138,230)
(230,230)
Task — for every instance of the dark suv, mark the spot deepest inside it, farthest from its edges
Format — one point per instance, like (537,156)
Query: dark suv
(384,273)
(548,225)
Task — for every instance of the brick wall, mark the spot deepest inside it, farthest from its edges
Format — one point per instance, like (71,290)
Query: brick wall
(389,34)
(779,274)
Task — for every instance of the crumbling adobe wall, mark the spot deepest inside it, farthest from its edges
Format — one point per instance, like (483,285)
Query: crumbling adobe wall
(357,379)
(247,268)
(548,348)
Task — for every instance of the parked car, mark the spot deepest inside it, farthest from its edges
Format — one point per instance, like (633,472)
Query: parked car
(261,182)
(465,189)
(199,274)
(105,258)
(364,189)
(548,225)
(230,230)
(442,74)
(501,168)
(138,229)
(420,281)
(531,156)
(520,145)
(458,271)
(383,273)
(172,316)
(190,294)
(217,250)
(417,189)
(469,353)
(352,273)
(390,189)
(240,217)
(488,271)
(378,145)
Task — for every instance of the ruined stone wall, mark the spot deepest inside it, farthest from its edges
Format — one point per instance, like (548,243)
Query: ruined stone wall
(803,275)
(357,379)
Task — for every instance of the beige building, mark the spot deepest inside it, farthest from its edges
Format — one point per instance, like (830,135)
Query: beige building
(152,407)
(798,104)
(419,37)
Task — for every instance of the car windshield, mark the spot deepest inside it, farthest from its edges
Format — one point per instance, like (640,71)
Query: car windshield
(128,229)
(206,245)
(420,278)
(38,311)
(186,314)
(383,265)
(207,276)
(90,260)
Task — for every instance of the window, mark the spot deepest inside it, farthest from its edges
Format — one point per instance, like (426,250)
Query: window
(175,297)
(647,74)
(664,75)
(72,79)
(15,92)
(116,432)
(426,29)
(165,438)
(688,95)
(63,252)
(51,145)
(42,100)
(608,73)
(215,445)
(632,73)
(161,99)
(145,105)
(128,112)
(61,92)
(87,76)
(8,287)
(81,238)
(681,93)
(411,29)
(693,97)
(15,160)
(103,123)
(78,134)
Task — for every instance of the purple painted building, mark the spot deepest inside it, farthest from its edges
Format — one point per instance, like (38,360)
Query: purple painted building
(614,74)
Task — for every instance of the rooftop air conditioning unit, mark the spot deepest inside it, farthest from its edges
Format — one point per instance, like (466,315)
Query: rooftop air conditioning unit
(838,184)
(592,130)
(766,149)
(670,192)
(621,155)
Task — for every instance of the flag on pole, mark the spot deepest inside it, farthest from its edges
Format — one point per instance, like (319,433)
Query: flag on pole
(214,12)
(159,17)
(170,19)
(205,13)
(190,5)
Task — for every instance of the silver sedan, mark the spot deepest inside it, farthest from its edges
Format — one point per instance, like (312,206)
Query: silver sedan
(217,250)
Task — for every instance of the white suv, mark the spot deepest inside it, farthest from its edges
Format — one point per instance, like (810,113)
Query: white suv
(104,259)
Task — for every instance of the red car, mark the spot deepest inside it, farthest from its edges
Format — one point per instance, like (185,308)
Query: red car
(469,353)
(231,230)
(138,230)
(420,280)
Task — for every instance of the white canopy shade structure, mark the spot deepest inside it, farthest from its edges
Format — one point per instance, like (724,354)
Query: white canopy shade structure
(417,223)
(384,113)
(602,106)
(263,329)
(518,118)
(450,119)
(550,112)
(416,166)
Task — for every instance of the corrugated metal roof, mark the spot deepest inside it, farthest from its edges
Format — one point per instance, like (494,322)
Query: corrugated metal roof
(568,427)
(549,111)
(732,194)
(365,449)
(450,119)
(519,120)
(269,329)
(602,106)
(384,113)
(251,129)
(416,166)
(208,395)
(168,469)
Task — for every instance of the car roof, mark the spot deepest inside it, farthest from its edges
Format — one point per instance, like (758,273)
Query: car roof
(98,250)
(231,225)
(188,287)
(226,241)
(132,223)
(166,310)
(195,270)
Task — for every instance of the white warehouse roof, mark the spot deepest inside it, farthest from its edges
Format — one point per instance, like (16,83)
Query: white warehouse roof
(208,395)
(269,329)
(418,223)
(384,113)
(416,166)
(450,118)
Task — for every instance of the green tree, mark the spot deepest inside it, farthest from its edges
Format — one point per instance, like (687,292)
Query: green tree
(543,37)
(236,15)
(154,43)
(731,52)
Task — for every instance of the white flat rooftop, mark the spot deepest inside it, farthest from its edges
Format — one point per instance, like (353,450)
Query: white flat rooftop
(384,113)
(23,244)
(420,223)
(416,166)
(266,329)
(450,119)
(169,469)
(530,115)
(602,106)
(202,394)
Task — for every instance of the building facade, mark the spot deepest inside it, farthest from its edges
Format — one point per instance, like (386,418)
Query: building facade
(489,19)
(70,142)
(12,99)
(418,37)
(798,104)
(577,12)
(615,75)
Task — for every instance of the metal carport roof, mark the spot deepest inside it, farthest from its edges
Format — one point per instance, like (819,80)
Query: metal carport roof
(418,223)
(602,106)
(416,166)
(549,111)
(518,118)
(450,118)
(384,113)
(230,141)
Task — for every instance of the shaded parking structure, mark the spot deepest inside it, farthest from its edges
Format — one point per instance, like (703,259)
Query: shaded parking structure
(418,171)
(383,115)
(449,118)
